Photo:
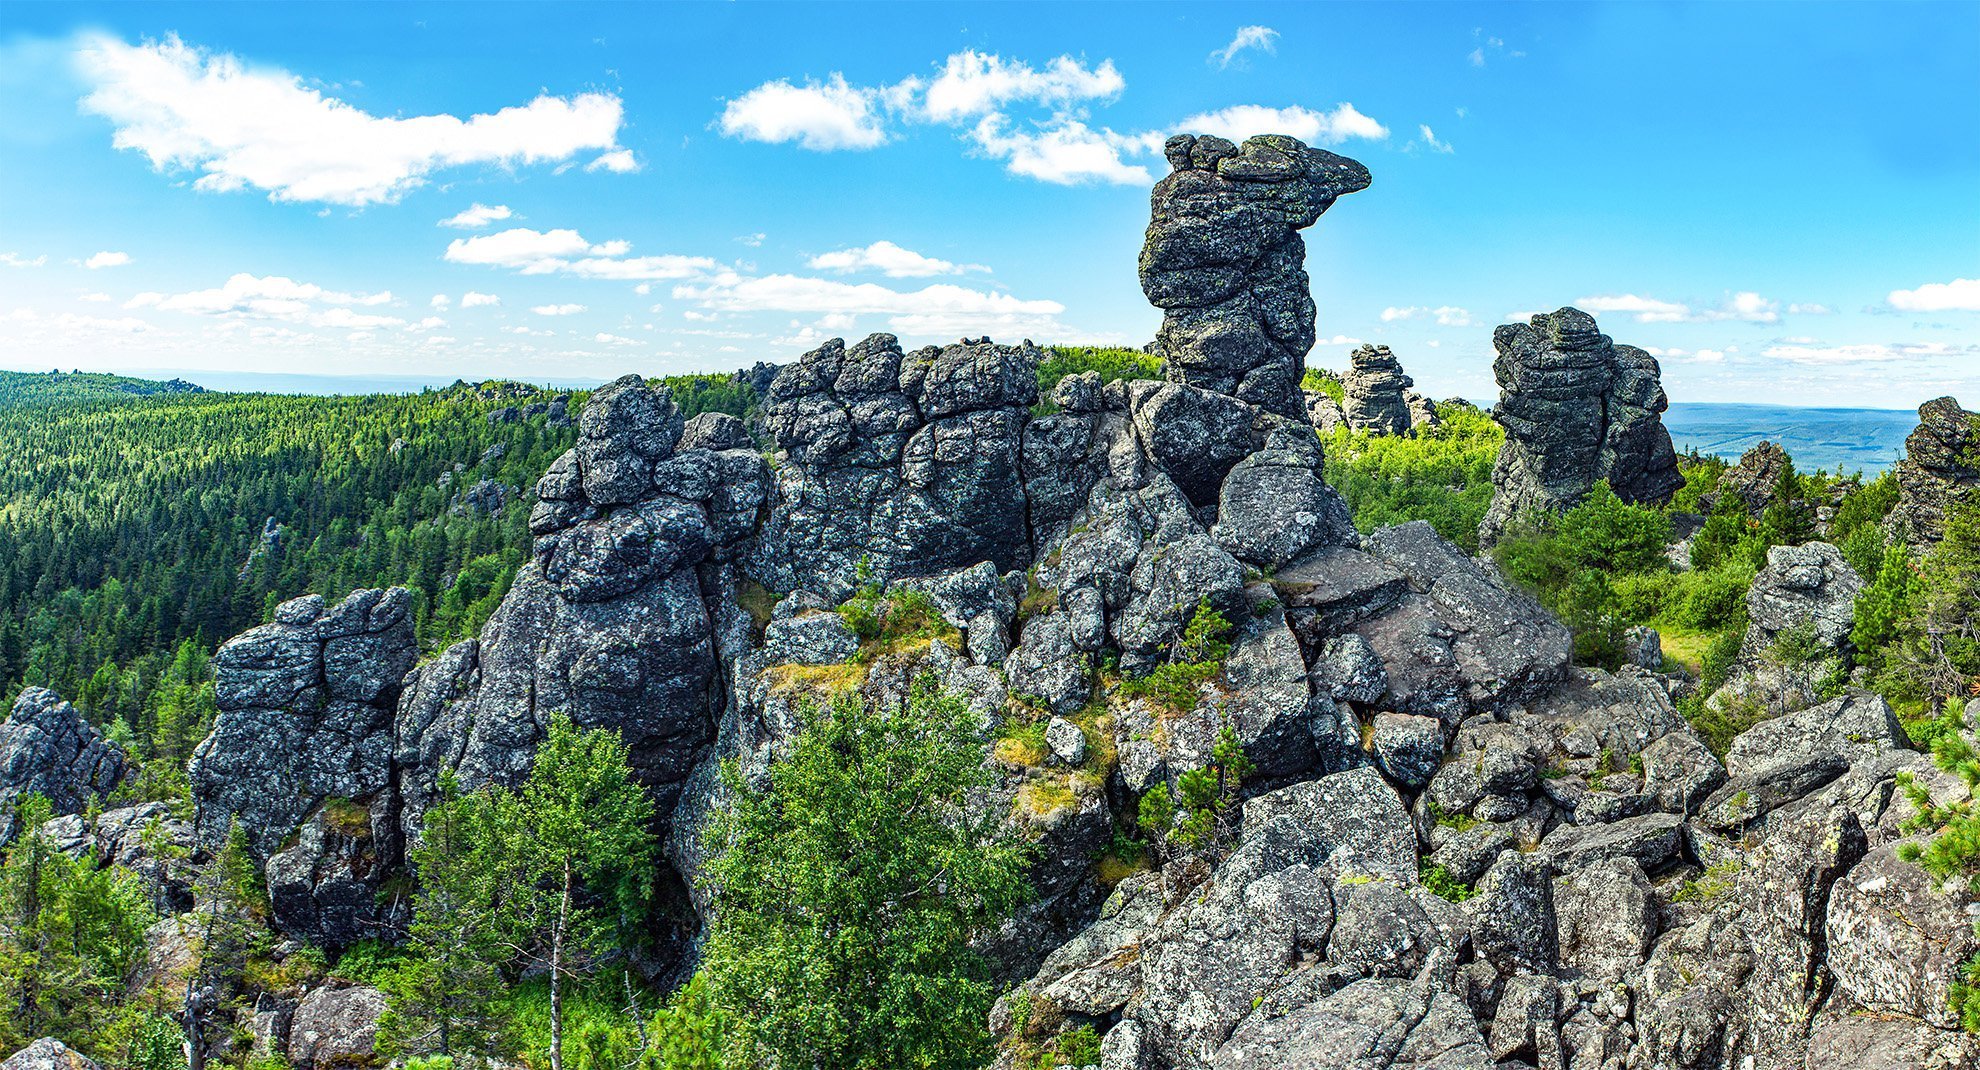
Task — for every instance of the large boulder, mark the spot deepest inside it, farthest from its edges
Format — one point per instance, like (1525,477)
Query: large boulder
(1376,392)
(48,749)
(1940,468)
(1224,261)
(300,757)
(48,1054)
(1577,408)
(335,1026)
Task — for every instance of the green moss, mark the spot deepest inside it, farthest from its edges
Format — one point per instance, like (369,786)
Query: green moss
(1439,881)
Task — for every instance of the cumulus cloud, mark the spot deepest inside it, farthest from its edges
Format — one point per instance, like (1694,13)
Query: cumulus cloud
(1315,127)
(107,259)
(477,216)
(821,116)
(1871,352)
(1445,315)
(539,252)
(276,297)
(614,339)
(620,162)
(1260,38)
(890,260)
(973,84)
(16,260)
(1959,295)
(1066,152)
(184,107)
(440,301)
(941,308)
(1057,142)
(557,310)
(471,299)
(1744,306)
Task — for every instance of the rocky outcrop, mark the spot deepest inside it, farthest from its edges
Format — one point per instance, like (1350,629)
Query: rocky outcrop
(1799,610)
(903,464)
(48,1054)
(1377,392)
(48,749)
(1224,261)
(1755,478)
(1577,408)
(1940,468)
(300,758)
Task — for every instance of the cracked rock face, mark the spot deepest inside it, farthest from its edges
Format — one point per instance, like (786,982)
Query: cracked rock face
(48,749)
(1224,261)
(1577,408)
(300,758)
(1377,394)
(1941,466)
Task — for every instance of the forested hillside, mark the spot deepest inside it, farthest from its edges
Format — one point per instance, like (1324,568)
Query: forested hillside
(146,522)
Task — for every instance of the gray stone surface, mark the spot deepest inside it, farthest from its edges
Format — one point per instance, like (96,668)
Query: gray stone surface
(48,1054)
(1937,473)
(1224,261)
(1577,408)
(48,749)
(1376,390)
(335,1026)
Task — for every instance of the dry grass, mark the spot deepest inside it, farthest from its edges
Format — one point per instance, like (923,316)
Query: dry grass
(1046,795)
(1686,648)
(825,680)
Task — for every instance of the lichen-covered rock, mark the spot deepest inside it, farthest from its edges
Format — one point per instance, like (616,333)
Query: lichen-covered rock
(48,1054)
(1755,478)
(1224,261)
(906,463)
(1577,408)
(1808,587)
(1940,468)
(1376,392)
(300,757)
(48,749)
(335,1026)
(1897,940)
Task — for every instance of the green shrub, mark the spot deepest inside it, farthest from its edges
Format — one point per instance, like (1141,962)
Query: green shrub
(1441,883)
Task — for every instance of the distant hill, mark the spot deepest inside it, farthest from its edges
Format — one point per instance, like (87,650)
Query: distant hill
(37,387)
(1839,440)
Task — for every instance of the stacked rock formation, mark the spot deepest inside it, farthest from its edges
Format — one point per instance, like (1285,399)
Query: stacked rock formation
(1756,477)
(1577,408)
(1941,466)
(300,758)
(1224,261)
(47,749)
(1376,392)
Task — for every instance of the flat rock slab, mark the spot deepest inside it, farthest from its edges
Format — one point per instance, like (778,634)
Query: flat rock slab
(1651,840)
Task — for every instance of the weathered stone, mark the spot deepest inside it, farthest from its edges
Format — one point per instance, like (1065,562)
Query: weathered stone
(1606,916)
(1650,840)
(1577,408)
(1940,468)
(1408,749)
(1066,742)
(818,637)
(1224,261)
(48,1054)
(1896,941)
(1375,387)
(335,1026)
(48,749)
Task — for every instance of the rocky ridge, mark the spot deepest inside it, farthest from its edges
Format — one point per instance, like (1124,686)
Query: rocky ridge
(1456,850)
(1940,468)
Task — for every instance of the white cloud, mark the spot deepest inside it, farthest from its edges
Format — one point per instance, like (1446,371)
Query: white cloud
(536,252)
(1429,138)
(974,84)
(1810,309)
(185,107)
(477,216)
(557,310)
(1445,315)
(753,240)
(107,259)
(1959,295)
(620,162)
(614,339)
(1478,57)
(890,260)
(1874,352)
(1744,306)
(1065,152)
(819,116)
(939,309)
(275,297)
(1314,127)
(471,299)
(440,301)
(1262,38)
(16,260)
(96,297)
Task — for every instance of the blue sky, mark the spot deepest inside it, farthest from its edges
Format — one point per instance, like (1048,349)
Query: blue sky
(1782,201)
